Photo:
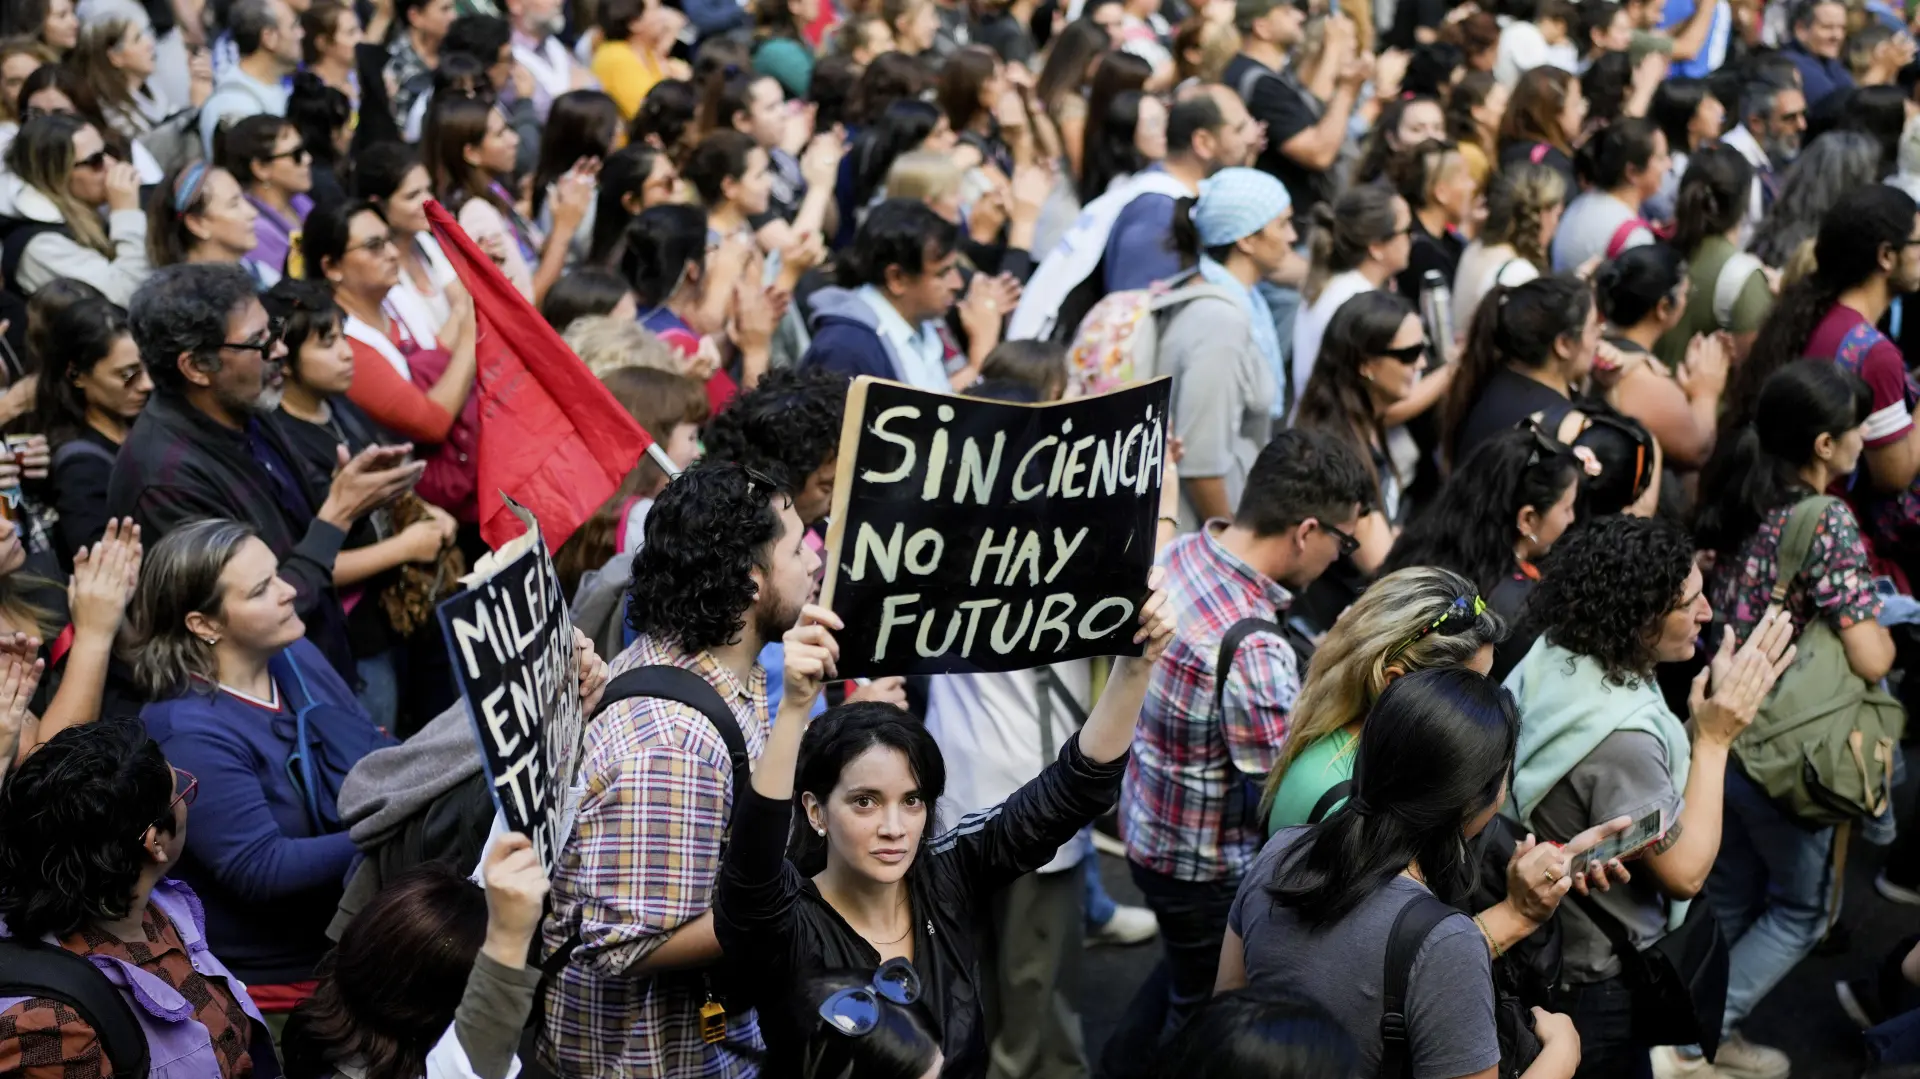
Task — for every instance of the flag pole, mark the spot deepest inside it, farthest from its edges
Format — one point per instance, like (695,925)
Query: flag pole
(660,458)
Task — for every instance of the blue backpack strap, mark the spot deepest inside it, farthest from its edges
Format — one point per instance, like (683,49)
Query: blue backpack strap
(303,743)
(1854,347)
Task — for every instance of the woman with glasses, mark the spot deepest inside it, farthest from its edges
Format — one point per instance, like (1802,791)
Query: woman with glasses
(269,158)
(246,703)
(1598,741)
(872,877)
(408,384)
(200,214)
(65,175)
(92,831)
(1364,386)
(92,388)
(1361,240)
(1317,908)
(1643,295)
(1504,508)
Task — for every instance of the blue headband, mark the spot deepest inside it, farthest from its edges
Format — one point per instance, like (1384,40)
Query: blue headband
(187,186)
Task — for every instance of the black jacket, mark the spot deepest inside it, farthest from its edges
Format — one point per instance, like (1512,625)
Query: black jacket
(776,929)
(179,466)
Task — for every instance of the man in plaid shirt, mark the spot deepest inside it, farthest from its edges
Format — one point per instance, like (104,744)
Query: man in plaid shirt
(725,569)
(1192,788)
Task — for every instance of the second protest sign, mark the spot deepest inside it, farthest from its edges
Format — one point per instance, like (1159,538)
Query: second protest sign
(975,535)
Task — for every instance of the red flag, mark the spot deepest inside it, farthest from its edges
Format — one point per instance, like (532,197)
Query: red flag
(551,436)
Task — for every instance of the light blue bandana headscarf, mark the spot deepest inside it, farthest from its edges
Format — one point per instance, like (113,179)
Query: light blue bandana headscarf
(1235,204)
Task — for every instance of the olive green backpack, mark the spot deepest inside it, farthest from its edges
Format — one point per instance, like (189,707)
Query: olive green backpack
(1822,745)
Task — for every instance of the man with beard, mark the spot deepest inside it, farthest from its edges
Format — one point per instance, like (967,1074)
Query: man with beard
(1773,116)
(200,448)
(724,570)
(553,66)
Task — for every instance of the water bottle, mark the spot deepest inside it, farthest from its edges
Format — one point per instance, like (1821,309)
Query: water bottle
(1436,310)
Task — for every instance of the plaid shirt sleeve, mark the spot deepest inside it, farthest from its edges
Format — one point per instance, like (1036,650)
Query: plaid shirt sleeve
(650,851)
(45,1039)
(1259,703)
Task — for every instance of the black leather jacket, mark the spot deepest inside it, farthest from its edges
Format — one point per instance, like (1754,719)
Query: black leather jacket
(776,929)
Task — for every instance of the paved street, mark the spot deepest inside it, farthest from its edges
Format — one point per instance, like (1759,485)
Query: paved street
(1801,1016)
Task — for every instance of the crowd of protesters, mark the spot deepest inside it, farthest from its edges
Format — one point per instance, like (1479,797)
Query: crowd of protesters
(1528,637)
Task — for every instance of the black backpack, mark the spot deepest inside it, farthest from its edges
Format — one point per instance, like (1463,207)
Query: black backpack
(30,968)
(1243,796)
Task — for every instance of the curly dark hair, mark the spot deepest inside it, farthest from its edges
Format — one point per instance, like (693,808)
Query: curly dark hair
(707,531)
(785,427)
(1607,588)
(184,309)
(72,820)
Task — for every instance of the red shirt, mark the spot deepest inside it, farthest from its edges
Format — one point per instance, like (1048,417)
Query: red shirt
(1883,369)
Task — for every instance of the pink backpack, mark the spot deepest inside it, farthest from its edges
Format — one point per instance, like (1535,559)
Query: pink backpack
(1119,340)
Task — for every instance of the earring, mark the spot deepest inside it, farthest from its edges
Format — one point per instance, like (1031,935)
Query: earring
(1531,538)
(1368,375)
(210,640)
(822,831)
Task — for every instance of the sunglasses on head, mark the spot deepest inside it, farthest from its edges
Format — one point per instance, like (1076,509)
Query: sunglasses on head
(1545,447)
(1459,617)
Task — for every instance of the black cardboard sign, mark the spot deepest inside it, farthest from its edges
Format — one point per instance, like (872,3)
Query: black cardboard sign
(974,535)
(511,642)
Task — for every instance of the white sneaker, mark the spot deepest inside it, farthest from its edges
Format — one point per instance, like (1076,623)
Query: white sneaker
(1894,893)
(1669,1064)
(1739,1058)
(1129,925)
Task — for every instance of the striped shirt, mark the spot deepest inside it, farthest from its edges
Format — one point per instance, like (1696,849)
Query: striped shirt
(641,863)
(1190,791)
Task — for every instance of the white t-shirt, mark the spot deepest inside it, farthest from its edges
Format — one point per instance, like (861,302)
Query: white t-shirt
(988,727)
(1311,324)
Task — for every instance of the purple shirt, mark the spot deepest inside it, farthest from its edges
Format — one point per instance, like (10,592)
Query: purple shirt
(273,234)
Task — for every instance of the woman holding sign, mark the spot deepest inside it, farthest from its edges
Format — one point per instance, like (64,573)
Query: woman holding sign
(883,883)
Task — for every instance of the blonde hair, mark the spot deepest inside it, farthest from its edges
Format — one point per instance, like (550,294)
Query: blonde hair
(42,156)
(1349,670)
(923,175)
(606,344)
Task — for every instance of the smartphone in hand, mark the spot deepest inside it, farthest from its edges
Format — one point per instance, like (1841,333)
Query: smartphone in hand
(1640,835)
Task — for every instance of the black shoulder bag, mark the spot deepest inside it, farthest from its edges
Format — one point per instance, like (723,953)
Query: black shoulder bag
(33,969)
(1679,982)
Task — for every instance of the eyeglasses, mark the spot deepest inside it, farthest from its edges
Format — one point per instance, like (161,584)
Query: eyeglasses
(95,160)
(377,243)
(185,789)
(295,155)
(1460,616)
(1409,355)
(262,346)
(1348,544)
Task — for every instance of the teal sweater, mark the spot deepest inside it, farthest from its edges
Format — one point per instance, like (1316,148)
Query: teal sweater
(1567,708)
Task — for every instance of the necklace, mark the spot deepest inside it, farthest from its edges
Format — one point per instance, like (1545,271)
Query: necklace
(896,940)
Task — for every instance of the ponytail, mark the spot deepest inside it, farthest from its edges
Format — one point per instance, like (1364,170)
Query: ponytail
(1319,252)
(1713,197)
(1758,471)
(1478,361)
(1185,238)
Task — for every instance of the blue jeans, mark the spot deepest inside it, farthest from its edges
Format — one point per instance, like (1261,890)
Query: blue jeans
(1603,1014)
(1100,905)
(380,689)
(1770,887)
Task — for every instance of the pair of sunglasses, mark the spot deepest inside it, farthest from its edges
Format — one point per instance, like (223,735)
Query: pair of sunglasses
(1409,355)
(1459,616)
(855,1010)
